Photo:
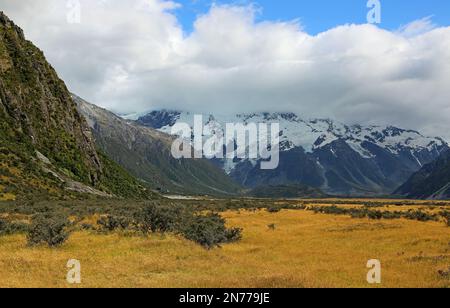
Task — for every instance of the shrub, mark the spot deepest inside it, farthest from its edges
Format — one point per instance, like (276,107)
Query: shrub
(377,215)
(3,226)
(331,210)
(8,228)
(160,218)
(273,209)
(444,273)
(233,235)
(210,231)
(420,216)
(112,223)
(48,229)
(358,214)
(87,227)
(392,215)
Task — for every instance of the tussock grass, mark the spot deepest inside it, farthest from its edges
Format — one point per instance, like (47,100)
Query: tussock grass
(305,250)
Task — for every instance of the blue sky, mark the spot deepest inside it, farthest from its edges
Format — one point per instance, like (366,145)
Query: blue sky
(320,15)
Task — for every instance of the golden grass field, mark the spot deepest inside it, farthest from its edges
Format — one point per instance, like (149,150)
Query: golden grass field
(304,250)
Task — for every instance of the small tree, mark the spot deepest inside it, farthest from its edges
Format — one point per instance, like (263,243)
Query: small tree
(8,228)
(4,227)
(111,223)
(161,218)
(48,229)
(210,231)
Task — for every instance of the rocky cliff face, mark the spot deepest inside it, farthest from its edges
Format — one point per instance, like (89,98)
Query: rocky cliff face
(37,109)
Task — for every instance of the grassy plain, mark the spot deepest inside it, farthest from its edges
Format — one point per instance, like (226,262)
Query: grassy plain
(300,249)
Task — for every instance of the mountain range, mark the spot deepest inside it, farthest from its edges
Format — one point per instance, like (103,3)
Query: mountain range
(337,158)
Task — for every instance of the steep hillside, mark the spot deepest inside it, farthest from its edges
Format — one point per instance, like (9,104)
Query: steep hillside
(430,182)
(337,158)
(45,144)
(146,153)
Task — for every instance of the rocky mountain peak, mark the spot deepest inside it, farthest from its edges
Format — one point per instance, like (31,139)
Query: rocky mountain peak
(9,24)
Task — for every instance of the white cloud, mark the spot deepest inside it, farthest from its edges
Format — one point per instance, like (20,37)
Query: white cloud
(133,56)
(417,27)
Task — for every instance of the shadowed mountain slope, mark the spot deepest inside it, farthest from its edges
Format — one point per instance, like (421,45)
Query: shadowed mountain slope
(146,153)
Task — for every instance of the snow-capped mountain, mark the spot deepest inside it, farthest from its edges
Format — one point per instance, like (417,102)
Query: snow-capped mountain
(322,153)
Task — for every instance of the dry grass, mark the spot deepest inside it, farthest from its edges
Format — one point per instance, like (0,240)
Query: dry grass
(7,197)
(304,250)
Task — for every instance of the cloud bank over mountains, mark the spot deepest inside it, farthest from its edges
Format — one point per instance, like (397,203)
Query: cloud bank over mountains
(134,56)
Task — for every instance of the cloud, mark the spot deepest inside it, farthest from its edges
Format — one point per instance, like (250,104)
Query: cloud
(417,27)
(133,56)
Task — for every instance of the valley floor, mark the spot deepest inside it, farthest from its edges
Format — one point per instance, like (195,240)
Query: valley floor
(299,249)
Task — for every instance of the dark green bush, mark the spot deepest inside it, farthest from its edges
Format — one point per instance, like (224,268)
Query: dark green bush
(392,215)
(420,216)
(444,273)
(48,229)
(210,231)
(112,223)
(87,227)
(8,228)
(358,214)
(154,217)
(273,209)
(335,210)
(272,227)
(376,215)
(233,235)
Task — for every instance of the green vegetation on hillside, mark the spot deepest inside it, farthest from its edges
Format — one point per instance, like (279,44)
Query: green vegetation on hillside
(119,182)
(38,115)
(35,109)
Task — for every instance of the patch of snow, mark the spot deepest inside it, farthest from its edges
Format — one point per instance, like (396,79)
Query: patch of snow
(415,157)
(358,148)
(333,152)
